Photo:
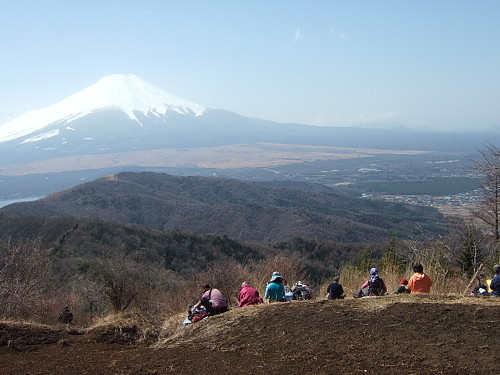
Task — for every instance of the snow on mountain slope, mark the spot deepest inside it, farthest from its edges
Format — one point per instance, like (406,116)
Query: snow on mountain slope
(127,93)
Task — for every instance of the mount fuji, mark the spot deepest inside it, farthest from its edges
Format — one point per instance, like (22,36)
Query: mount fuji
(124,93)
(121,119)
(123,113)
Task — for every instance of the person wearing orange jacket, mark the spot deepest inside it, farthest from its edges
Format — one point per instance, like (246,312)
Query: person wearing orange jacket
(419,282)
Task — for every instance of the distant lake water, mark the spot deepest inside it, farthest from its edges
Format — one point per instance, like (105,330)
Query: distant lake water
(10,201)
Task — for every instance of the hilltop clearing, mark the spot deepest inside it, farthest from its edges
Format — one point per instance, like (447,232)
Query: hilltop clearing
(382,335)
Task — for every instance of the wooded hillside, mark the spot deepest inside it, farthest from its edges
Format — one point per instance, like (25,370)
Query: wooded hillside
(236,209)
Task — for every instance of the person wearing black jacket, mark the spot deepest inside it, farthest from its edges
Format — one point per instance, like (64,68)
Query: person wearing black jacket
(335,290)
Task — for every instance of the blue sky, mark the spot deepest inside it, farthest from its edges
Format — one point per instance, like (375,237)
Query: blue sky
(429,63)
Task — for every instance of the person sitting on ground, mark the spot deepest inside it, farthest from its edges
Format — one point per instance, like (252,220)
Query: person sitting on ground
(66,316)
(420,282)
(248,295)
(375,285)
(275,291)
(480,289)
(495,283)
(335,290)
(403,287)
(212,300)
(301,291)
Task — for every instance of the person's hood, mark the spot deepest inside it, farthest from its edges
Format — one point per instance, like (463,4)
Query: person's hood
(419,276)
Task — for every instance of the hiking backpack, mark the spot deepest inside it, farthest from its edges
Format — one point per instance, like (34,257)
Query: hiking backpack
(375,287)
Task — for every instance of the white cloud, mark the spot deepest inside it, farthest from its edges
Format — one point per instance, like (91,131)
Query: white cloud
(338,34)
(298,35)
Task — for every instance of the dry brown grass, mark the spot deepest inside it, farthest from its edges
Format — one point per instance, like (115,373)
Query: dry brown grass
(126,328)
(174,333)
(352,279)
(232,156)
(228,276)
(24,333)
(288,266)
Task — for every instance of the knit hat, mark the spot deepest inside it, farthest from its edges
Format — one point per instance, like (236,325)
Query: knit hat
(373,271)
(404,281)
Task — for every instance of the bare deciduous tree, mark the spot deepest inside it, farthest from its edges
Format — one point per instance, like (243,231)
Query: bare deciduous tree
(472,248)
(120,278)
(24,270)
(489,210)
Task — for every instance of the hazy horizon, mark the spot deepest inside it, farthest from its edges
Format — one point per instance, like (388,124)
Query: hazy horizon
(425,64)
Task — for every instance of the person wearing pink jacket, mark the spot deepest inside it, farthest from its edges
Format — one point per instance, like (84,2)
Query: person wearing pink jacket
(248,296)
(212,300)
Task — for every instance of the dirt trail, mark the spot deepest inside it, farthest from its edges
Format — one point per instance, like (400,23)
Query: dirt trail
(383,335)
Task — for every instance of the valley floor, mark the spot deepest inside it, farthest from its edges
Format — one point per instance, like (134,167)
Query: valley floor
(381,335)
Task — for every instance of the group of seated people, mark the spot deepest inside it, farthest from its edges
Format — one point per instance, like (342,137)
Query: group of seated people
(418,283)
(375,286)
(212,301)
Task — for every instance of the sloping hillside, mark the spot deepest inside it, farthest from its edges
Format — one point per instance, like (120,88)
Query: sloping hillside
(233,208)
(381,335)
(76,239)
(80,240)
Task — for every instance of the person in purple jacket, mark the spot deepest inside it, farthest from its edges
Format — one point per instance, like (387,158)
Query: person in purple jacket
(212,300)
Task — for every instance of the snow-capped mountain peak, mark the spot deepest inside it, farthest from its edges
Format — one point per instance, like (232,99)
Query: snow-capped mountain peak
(127,93)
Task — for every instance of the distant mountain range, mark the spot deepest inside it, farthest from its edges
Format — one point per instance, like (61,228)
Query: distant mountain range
(239,210)
(122,114)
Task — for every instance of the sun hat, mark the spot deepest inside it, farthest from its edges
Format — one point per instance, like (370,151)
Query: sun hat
(275,276)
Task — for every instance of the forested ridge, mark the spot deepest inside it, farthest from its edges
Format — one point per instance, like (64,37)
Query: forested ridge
(236,209)
(73,243)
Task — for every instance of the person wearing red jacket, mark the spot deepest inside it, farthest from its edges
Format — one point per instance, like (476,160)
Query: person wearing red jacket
(419,282)
(248,296)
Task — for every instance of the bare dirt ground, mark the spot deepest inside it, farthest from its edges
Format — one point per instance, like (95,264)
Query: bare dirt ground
(381,335)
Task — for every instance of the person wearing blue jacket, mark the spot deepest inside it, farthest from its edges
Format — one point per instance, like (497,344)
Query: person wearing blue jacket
(275,291)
